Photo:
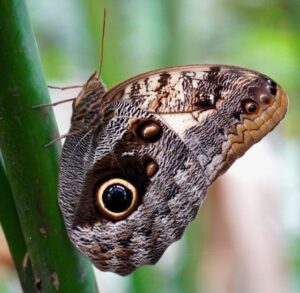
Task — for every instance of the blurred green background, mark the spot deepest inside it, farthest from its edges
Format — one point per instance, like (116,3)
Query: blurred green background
(144,35)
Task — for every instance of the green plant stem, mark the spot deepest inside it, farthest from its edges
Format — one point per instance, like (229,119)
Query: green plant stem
(14,235)
(32,169)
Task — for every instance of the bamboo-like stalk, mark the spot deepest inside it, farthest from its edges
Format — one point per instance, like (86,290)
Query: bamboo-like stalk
(32,169)
(14,235)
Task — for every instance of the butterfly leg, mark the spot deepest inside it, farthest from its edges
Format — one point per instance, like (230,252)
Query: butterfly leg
(62,136)
(53,104)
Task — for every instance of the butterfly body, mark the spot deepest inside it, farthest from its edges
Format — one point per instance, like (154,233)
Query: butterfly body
(137,173)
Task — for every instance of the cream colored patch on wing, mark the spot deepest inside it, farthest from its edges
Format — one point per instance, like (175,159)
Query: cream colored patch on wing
(181,122)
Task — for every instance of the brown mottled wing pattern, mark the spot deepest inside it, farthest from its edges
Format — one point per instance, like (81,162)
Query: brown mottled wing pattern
(207,117)
(204,104)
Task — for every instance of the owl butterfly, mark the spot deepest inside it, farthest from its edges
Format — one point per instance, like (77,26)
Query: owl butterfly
(139,157)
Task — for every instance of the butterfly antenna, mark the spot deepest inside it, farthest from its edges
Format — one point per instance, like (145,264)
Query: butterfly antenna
(102,42)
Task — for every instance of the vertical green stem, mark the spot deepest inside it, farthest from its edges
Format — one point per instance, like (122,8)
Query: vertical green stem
(14,235)
(32,169)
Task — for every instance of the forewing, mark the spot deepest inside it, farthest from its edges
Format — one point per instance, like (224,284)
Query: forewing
(208,107)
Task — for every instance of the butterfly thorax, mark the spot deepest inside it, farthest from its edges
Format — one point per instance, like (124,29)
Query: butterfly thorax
(86,106)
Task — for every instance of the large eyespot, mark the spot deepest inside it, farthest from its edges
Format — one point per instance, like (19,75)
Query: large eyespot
(250,107)
(116,198)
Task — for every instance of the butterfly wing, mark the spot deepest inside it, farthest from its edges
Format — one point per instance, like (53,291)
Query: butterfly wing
(129,187)
(218,111)
(167,201)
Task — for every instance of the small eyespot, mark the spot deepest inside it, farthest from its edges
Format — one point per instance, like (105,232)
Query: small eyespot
(149,131)
(151,167)
(265,99)
(116,198)
(250,107)
(272,87)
